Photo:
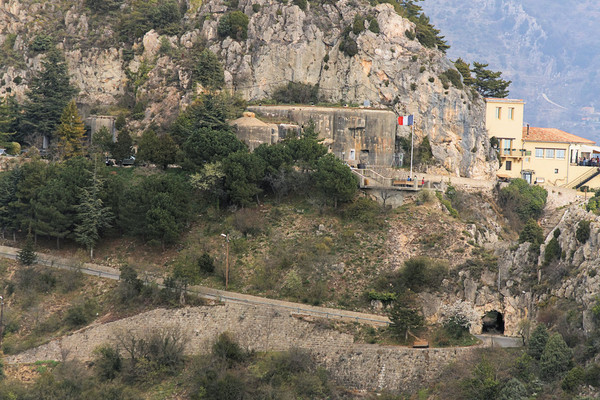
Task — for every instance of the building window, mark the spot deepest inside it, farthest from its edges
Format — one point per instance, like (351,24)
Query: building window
(511,113)
(508,165)
(498,112)
(549,153)
(539,153)
(556,170)
(560,154)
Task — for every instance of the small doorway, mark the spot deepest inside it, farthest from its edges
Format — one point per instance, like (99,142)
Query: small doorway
(527,177)
(493,323)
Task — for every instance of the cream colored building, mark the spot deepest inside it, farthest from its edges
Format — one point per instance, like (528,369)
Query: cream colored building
(552,158)
(504,121)
(539,155)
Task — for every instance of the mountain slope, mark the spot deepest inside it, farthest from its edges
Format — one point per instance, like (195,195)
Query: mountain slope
(546,48)
(149,68)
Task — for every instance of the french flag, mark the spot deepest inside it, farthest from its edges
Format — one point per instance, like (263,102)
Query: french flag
(405,120)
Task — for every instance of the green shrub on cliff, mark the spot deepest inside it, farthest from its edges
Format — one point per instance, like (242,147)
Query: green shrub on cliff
(233,24)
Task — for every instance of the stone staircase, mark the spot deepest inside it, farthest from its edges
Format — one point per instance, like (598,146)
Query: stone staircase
(582,179)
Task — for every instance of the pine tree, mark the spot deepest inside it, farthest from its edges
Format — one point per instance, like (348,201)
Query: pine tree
(405,315)
(27,256)
(70,133)
(465,70)
(9,112)
(49,93)
(556,358)
(123,147)
(537,341)
(488,83)
(92,216)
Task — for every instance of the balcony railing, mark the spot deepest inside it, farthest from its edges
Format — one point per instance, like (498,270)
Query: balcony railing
(515,153)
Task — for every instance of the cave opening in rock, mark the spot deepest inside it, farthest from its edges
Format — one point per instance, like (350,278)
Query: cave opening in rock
(493,322)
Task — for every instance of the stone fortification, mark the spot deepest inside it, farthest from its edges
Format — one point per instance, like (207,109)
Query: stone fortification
(355,135)
(285,44)
(364,367)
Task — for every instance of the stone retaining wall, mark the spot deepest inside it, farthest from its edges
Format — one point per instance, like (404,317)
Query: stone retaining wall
(362,367)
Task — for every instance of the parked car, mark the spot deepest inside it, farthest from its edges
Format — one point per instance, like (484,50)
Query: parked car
(128,161)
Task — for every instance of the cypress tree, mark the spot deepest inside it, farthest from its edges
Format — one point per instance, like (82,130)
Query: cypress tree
(49,93)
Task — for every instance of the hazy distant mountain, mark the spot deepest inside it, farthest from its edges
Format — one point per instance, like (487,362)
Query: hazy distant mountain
(549,49)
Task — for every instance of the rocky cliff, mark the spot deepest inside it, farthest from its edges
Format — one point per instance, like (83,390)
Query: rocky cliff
(285,43)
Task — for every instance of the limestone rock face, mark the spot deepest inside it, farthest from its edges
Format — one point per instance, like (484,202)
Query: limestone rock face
(284,44)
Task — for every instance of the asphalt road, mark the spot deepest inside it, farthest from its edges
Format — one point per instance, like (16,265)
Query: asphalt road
(500,341)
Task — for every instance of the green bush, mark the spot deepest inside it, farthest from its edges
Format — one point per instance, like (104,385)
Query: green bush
(81,313)
(573,379)
(514,389)
(556,358)
(359,24)
(347,44)
(373,24)
(421,273)
(256,7)
(107,362)
(40,43)
(297,93)
(233,24)
(532,232)
(552,251)
(447,204)
(363,209)
(522,201)
(302,4)
(226,348)
(454,77)
(537,341)
(583,231)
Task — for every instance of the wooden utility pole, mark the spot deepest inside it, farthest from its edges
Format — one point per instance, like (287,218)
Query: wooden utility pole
(226,236)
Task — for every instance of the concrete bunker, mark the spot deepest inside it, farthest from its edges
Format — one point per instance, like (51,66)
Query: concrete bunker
(493,323)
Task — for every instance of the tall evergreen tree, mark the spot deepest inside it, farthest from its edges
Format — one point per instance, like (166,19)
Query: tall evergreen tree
(92,216)
(49,93)
(465,70)
(51,211)
(34,177)
(488,83)
(9,113)
(8,198)
(334,179)
(26,256)
(159,150)
(70,133)
(123,147)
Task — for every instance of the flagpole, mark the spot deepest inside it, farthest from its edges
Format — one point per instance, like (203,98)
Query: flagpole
(412,135)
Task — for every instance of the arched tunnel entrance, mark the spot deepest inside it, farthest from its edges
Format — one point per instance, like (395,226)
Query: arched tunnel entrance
(493,323)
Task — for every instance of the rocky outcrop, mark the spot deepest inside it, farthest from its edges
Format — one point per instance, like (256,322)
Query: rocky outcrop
(581,261)
(285,43)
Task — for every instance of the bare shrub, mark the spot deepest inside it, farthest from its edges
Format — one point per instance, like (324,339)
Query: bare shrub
(249,221)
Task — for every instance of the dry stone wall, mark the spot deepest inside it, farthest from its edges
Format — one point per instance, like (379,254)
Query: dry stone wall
(362,367)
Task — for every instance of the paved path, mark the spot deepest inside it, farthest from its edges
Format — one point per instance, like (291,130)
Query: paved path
(210,293)
(500,341)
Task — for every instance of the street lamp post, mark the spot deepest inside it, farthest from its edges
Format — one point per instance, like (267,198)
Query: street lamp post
(226,236)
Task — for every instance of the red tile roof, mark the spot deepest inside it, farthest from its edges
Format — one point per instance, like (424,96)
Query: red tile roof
(552,135)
